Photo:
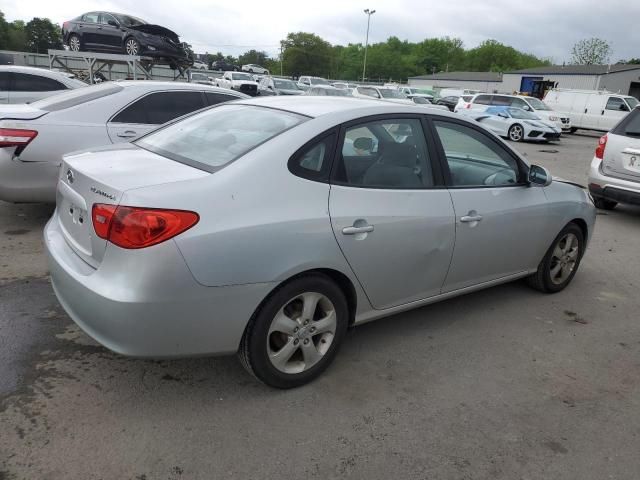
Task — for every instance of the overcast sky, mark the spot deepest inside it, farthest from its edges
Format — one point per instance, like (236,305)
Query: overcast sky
(547,28)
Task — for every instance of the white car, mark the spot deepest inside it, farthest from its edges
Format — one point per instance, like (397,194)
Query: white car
(382,93)
(28,84)
(199,65)
(253,68)
(329,91)
(34,137)
(306,82)
(423,101)
(591,109)
(464,101)
(515,124)
(614,176)
(416,92)
(238,81)
(482,101)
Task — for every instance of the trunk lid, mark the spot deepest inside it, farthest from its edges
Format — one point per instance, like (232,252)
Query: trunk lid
(20,112)
(622,157)
(156,30)
(102,176)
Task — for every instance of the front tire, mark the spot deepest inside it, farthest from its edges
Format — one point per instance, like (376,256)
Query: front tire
(561,262)
(295,334)
(516,133)
(131,46)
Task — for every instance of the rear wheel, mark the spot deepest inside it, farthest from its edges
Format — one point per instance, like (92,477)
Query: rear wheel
(561,262)
(516,133)
(296,333)
(74,43)
(604,204)
(131,46)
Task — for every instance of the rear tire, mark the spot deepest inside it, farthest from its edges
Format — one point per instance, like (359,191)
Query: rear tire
(131,46)
(295,334)
(516,133)
(561,262)
(604,204)
(75,45)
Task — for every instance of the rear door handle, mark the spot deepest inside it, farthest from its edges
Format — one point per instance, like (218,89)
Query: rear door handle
(356,230)
(470,218)
(127,134)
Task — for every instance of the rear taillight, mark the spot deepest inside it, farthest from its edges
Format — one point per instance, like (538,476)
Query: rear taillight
(65,26)
(135,227)
(602,144)
(15,137)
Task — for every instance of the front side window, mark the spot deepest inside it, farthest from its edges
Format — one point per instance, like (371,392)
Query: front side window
(211,139)
(369,92)
(474,159)
(617,104)
(160,107)
(483,100)
(4,81)
(390,154)
(23,82)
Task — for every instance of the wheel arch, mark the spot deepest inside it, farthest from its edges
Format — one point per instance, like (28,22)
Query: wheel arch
(583,226)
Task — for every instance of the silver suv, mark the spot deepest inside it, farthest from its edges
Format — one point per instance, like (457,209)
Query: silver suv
(614,176)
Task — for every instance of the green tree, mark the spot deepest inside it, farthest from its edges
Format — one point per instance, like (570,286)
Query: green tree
(591,51)
(440,54)
(306,54)
(493,56)
(41,35)
(253,56)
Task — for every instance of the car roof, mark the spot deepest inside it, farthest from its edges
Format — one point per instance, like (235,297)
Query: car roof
(43,72)
(311,106)
(155,84)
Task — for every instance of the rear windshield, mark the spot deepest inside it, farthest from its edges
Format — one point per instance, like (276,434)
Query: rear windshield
(215,137)
(629,126)
(77,96)
(632,101)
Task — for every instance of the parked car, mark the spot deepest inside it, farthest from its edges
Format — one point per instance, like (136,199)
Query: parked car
(463,102)
(118,33)
(253,68)
(224,66)
(515,124)
(199,65)
(457,92)
(424,101)
(451,101)
(34,137)
(28,84)
(614,175)
(417,92)
(344,85)
(305,82)
(382,93)
(530,104)
(195,222)
(278,86)
(329,91)
(591,109)
(201,78)
(239,81)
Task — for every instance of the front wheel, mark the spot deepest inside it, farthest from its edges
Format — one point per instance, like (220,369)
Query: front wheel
(74,43)
(295,334)
(516,133)
(131,46)
(561,262)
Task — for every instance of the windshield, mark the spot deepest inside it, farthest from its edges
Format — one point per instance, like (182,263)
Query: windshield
(129,21)
(211,139)
(537,104)
(241,76)
(71,98)
(421,100)
(522,114)
(632,101)
(391,93)
(318,81)
(338,92)
(285,84)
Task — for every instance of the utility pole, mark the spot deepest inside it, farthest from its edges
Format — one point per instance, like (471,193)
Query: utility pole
(366,43)
(281,44)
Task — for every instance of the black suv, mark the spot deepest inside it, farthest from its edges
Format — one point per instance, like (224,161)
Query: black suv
(117,33)
(223,66)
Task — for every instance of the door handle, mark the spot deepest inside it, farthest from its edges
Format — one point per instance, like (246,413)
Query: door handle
(471,218)
(127,134)
(356,230)
(602,112)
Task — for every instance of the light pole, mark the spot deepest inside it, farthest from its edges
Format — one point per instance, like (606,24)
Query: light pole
(366,43)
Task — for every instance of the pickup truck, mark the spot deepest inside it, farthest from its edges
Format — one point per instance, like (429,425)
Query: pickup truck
(238,81)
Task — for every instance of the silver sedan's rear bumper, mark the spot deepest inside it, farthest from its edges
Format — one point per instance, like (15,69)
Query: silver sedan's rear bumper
(27,181)
(131,307)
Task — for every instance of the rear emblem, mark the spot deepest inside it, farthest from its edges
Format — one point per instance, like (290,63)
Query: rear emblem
(70,177)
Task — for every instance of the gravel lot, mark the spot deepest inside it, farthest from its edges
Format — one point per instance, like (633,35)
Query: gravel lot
(506,383)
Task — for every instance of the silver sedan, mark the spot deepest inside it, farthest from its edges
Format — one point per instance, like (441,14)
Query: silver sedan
(269,226)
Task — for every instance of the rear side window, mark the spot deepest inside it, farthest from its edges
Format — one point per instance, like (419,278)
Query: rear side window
(77,96)
(91,17)
(216,98)
(160,107)
(483,100)
(313,161)
(630,125)
(211,139)
(4,81)
(500,101)
(24,82)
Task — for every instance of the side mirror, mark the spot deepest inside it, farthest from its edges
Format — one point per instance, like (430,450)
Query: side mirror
(503,115)
(539,176)
(113,23)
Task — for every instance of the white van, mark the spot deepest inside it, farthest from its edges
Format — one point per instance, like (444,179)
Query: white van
(456,92)
(591,109)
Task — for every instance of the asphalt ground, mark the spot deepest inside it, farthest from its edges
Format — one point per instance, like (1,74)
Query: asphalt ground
(506,383)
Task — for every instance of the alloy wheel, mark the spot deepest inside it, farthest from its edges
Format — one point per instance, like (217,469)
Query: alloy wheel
(301,333)
(564,258)
(131,47)
(74,44)
(516,133)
